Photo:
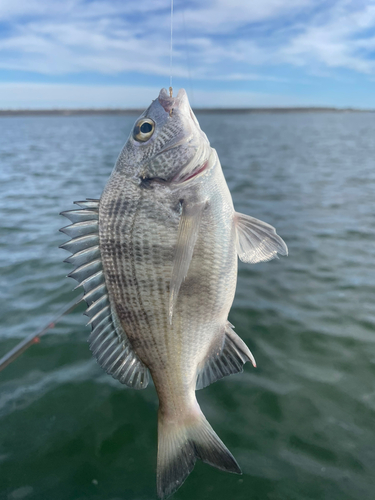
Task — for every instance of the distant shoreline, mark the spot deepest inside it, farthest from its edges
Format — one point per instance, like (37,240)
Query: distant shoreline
(113,111)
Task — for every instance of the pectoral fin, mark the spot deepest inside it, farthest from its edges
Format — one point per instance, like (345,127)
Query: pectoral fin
(187,236)
(257,241)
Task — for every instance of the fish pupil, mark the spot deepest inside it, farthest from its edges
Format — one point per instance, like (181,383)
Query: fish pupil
(146,128)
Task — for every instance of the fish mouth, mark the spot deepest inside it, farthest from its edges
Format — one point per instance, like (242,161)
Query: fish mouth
(169,103)
(192,135)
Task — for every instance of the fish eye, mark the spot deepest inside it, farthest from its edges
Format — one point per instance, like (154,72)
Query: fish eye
(143,129)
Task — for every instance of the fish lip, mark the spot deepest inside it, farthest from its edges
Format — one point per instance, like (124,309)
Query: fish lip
(181,103)
(169,102)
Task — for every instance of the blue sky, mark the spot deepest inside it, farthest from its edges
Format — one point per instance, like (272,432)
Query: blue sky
(227,53)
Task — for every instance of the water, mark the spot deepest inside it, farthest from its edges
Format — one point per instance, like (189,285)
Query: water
(302,424)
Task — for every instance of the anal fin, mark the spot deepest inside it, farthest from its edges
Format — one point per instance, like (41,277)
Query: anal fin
(224,359)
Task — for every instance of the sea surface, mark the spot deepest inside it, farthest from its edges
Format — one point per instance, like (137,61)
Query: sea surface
(302,423)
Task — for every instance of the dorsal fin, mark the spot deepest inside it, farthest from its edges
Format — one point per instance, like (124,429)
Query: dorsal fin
(108,341)
(224,359)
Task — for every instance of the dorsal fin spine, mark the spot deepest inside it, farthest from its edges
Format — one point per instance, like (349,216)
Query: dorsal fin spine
(98,276)
(97,303)
(84,256)
(98,346)
(86,270)
(118,371)
(111,366)
(97,315)
(113,358)
(115,339)
(90,296)
(99,328)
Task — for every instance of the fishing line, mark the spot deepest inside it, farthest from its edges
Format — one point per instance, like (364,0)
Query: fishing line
(171,52)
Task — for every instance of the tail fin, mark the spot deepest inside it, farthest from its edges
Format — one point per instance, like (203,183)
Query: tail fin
(181,444)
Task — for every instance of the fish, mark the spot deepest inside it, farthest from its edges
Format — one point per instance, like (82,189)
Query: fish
(157,258)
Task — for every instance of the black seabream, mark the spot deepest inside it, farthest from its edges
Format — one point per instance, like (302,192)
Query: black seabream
(157,258)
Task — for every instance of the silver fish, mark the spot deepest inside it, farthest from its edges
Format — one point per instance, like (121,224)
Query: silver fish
(157,258)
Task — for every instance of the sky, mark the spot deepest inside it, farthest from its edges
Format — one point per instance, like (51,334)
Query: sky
(227,53)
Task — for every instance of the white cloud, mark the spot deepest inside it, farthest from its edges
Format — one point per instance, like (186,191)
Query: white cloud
(337,39)
(227,40)
(223,16)
(77,9)
(54,37)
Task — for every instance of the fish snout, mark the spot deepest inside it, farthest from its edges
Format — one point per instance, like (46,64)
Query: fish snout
(169,103)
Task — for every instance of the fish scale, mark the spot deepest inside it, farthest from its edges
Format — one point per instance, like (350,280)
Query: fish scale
(124,284)
(157,257)
(149,326)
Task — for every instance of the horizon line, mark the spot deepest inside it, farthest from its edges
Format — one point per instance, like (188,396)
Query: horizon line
(131,111)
